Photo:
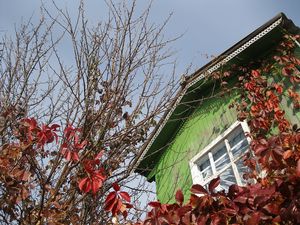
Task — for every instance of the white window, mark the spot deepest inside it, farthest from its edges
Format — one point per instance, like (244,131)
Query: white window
(223,157)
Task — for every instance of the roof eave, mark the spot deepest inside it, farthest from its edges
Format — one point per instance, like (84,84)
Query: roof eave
(209,68)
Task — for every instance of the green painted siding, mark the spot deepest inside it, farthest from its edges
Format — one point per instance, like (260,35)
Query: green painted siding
(210,119)
(173,172)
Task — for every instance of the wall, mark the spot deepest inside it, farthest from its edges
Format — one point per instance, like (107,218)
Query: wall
(210,119)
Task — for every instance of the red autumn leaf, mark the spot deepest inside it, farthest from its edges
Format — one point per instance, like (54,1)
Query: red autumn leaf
(184,210)
(276,155)
(249,86)
(84,185)
(278,88)
(229,211)
(128,206)
(93,183)
(213,184)
(70,132)
(116,186)
(272,208)
(69,153)
(198,189)
(241,199)
(186,218)
(110,201)
(125,214)
(95,178)
(125,196)
(114,203)
(278,114)
(72,145)
(179,197)
(47,134)
(91,165)
(110,197)
(259,148)
(255,73)
(97,182)
(116,207)
(32,127)
(155,204)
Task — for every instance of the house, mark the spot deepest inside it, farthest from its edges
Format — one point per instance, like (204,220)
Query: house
(200,138)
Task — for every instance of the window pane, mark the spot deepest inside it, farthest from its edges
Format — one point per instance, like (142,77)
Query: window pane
(227,178)
(242,169)
(219,153)
(238,144)
(221,158)
(205,169)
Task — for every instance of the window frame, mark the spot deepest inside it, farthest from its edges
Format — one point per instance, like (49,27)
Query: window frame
(220,140)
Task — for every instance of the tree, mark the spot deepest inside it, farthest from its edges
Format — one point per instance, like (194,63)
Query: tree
(69,134)
(273,160)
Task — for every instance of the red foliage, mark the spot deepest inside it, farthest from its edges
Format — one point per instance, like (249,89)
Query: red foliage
(47,134)
(95,177)
(72,145)
(18,158)
(117,202)
(32,132)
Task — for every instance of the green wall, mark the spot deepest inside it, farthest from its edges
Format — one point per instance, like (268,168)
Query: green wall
(208,121)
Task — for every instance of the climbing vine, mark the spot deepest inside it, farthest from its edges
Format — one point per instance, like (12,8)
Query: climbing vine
(272,195)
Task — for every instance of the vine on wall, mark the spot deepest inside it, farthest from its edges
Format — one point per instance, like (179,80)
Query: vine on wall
(274,157)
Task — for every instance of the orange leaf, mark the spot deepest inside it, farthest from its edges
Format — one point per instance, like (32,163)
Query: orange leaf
(287,154)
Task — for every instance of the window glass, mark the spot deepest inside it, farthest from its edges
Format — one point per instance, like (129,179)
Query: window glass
(227,178)
(242,170)
(205,169)
(221,158)
(225,161)
(238,144)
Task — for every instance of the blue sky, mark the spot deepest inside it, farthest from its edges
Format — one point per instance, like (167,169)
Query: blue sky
(209,26)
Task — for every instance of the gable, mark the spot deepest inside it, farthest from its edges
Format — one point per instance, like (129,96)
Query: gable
(257,44)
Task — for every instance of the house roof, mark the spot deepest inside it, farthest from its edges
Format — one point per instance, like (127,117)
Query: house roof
(254,44)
